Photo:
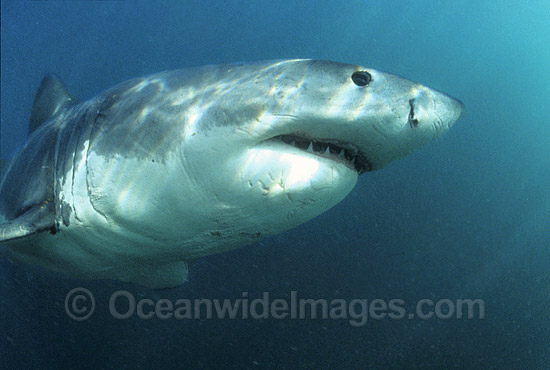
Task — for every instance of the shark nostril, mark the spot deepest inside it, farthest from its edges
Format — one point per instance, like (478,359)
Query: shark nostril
(412,120)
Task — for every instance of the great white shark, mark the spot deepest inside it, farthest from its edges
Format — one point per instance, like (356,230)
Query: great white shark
(156,172)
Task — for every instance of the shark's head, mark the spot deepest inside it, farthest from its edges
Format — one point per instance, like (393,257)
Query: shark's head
(368,117)
(277,144)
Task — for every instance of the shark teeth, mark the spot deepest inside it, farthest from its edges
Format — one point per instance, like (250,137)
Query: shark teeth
(340,152)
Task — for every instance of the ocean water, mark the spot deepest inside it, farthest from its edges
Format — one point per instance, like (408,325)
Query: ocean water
(467,217)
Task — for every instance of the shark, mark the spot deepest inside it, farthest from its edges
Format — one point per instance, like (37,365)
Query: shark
(146,177)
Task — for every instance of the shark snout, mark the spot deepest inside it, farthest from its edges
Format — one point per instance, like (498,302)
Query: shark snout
(446,108)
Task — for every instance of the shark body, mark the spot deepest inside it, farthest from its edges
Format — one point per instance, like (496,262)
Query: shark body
(158,171)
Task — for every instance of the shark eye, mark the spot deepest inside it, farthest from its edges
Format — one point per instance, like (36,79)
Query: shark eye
(361,78)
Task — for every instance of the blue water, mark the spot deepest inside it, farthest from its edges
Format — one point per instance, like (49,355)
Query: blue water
(466,217)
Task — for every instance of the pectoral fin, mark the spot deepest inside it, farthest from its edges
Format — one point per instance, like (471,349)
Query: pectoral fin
(37,219)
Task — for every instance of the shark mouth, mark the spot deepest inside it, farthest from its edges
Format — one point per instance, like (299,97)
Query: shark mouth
(335,150)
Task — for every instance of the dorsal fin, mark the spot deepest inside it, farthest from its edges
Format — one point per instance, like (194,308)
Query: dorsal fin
(51,97)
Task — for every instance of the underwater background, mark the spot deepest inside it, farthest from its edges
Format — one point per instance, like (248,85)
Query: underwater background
(467,217)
